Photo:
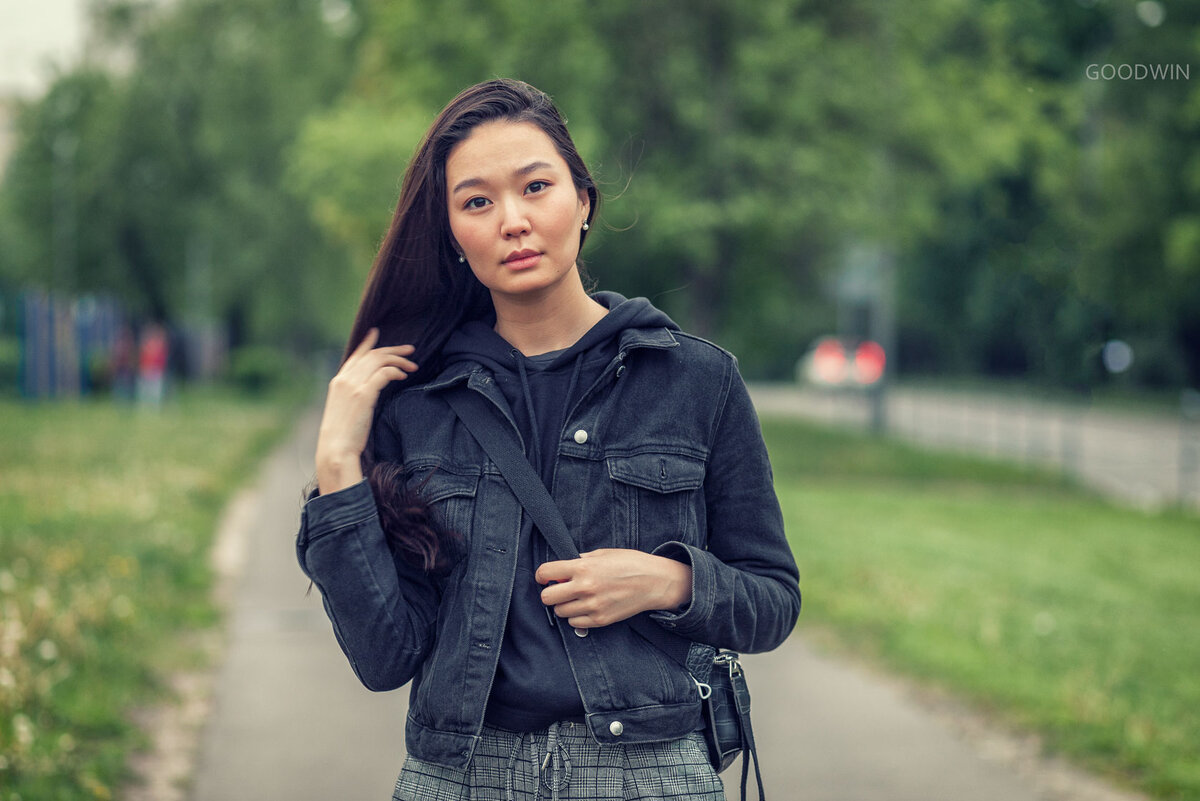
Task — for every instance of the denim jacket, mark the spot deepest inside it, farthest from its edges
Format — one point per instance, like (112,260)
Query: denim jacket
(663,454)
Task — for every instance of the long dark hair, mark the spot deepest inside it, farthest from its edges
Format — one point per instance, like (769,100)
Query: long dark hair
(418,292)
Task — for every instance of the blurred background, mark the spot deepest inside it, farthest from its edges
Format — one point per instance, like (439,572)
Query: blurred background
(971,223)
(990,189)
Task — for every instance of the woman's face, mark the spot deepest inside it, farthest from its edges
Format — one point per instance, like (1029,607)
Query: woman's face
(515,213)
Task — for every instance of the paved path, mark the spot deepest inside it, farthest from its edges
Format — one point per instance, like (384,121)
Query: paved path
(291,723)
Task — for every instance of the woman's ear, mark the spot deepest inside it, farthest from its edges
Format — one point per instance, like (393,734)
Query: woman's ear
(586,202)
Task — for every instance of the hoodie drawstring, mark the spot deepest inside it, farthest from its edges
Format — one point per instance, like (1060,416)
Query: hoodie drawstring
(571,386)
(536,459)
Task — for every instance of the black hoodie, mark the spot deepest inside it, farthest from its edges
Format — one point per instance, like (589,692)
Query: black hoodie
(534,686)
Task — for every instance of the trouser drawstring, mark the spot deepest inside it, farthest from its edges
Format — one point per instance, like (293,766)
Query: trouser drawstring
(556,759)
(553,768)
(511,769)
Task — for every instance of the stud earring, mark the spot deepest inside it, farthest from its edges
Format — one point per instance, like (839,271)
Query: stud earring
(462,259)
(586,226)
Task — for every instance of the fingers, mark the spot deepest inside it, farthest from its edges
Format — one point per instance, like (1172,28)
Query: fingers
(612,584)
(385,353)
(580,616)
(365,363)
(383,359)
(368,342)
(560,592)
(568,593)
(585,615)
(384,376)
(349,406)
(554,571)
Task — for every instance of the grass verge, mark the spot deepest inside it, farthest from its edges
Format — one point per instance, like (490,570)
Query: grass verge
(1044,605)
(107,513)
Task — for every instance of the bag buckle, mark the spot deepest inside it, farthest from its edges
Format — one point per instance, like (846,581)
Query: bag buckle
(728,660)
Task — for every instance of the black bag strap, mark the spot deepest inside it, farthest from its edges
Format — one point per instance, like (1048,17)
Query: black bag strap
(499,442)
(741,697)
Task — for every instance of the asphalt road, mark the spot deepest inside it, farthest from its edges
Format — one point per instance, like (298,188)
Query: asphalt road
(288,720)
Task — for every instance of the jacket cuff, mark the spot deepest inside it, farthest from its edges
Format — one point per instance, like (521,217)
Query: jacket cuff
(693,616)
(324,514)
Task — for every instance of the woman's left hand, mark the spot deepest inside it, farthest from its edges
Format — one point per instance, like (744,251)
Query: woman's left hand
(612,584)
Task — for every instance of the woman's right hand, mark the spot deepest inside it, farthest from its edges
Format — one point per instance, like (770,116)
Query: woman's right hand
(350,408)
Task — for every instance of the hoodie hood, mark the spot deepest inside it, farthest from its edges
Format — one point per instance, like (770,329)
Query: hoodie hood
(478,341)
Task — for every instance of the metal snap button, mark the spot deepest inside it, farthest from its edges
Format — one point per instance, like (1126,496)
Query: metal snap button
(581,436)
(580,632)
(617,728)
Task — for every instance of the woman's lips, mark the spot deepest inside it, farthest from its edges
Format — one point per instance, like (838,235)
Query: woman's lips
(523,260)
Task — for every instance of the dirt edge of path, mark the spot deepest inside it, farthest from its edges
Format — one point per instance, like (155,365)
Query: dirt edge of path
(164,770)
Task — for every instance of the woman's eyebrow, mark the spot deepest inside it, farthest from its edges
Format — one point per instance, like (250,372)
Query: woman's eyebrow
(537,165)
(528,168)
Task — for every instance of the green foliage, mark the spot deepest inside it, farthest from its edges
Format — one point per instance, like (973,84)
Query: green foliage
(246,167)
(10,364)
(107,515)
(1053,610)
(1087,236)
(260,369)
(163,186)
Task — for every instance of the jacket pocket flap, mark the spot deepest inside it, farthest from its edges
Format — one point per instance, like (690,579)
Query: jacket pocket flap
(435,485)
(658,472)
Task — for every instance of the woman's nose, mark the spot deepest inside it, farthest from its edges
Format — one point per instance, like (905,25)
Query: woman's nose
(515,222)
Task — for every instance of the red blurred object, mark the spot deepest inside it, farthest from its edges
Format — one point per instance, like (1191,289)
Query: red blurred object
(832,363)
(869,361)
(829,362)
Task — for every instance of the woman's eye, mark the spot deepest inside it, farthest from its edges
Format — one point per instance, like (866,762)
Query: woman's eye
(476,203)
(536,186)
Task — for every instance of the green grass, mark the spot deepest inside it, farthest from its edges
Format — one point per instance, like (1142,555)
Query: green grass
(1045,606)
(107,513)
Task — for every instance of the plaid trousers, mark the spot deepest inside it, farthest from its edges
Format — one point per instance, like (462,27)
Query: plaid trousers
(563,763)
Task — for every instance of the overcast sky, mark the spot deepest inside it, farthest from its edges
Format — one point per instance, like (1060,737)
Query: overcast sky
(34,34)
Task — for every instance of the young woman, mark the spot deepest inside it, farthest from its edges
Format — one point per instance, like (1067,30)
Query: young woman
(528,680)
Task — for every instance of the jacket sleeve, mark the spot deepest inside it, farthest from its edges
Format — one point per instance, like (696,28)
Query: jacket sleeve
(382,608)
(745,585)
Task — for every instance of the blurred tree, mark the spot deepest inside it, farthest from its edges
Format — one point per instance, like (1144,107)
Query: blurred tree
(169,176)
(1030,213)
(744,153)
(58,182)
(1093,232)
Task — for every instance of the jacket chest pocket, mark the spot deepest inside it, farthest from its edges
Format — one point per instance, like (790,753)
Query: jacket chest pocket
(449,495)
(655,499)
